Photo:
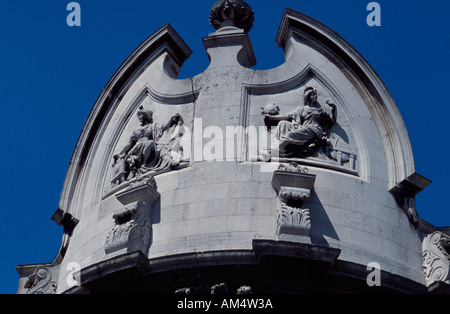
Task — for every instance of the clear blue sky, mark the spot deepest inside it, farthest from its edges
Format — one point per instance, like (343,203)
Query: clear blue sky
(52,74)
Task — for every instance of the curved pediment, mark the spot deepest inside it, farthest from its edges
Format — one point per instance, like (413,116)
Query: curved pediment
(164,50)
(344,151)
(313,152)
(315,55)
(300,33)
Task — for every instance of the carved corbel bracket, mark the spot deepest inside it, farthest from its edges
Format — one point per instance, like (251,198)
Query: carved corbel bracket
(405,193)
(436,258)
(292,218)
(293,185)
(133,228)
(42,281)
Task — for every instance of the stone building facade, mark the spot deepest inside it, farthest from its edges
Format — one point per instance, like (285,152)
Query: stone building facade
(295,179)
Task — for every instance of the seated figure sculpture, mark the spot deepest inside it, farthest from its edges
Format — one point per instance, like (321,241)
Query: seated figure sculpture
(303,131)
(143,152)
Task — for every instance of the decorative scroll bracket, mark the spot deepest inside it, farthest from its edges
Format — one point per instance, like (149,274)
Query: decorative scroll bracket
(293,185)
(405,192)
(436,258)
(133,228)
(42,281)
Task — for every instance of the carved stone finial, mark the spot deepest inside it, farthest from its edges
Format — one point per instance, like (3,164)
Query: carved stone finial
(235,13)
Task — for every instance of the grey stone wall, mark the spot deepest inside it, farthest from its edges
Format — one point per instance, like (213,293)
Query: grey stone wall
(226,204)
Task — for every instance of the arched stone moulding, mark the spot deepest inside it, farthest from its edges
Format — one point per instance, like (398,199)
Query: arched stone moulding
(165,47)
(296,82)
(147,95)
(294,26)
(397,148)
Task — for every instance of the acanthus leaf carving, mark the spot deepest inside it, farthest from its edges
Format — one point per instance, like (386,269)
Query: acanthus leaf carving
(132,229)
(436,258)
(40,282)
(293,185)
(133,226)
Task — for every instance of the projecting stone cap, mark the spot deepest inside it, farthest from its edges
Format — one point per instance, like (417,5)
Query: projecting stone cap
(144,192)
(65,219)
(410,186)
(263,248)
(293,180)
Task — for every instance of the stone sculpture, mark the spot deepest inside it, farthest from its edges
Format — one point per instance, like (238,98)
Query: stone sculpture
(220,288)
(144,152)
(245,290)
(234,13)
(304,130)
(271,109)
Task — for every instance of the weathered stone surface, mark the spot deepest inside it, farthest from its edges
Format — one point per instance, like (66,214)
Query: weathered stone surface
(347,202)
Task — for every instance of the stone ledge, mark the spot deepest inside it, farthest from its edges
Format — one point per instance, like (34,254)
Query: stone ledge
(265,255)
(112,265)
(264,248)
